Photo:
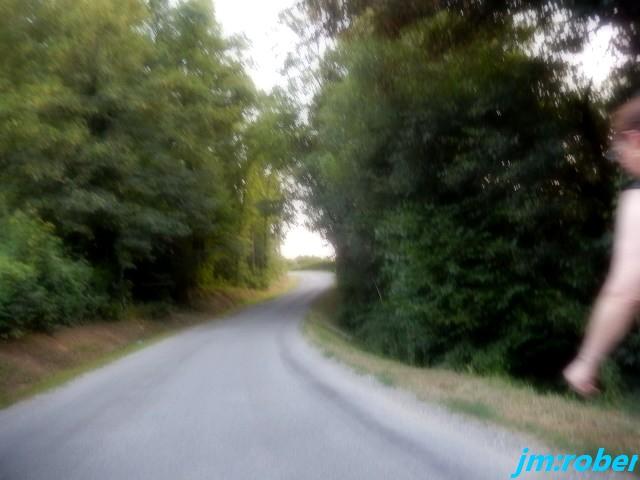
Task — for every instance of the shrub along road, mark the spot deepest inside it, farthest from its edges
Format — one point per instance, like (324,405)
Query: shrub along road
(245,398)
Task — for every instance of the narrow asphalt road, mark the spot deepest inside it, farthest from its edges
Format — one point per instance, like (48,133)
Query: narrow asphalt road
(243,398)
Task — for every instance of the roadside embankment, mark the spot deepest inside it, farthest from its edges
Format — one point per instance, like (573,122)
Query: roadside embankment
(39,361)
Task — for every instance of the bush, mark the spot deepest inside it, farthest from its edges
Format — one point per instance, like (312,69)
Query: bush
(40,287)
(456,294)
(456,176)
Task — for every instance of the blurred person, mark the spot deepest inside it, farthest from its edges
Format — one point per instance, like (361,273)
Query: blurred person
(618,302)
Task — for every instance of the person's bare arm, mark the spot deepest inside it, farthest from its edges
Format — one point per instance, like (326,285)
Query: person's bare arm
(615,308)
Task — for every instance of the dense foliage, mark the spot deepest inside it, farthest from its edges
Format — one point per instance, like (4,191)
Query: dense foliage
(39,285)
(460,176)
(131,128)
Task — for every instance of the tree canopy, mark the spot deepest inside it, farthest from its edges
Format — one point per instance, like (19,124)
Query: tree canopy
(459,174)
(132,129)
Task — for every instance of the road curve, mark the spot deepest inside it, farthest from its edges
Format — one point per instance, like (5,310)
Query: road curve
(243,398)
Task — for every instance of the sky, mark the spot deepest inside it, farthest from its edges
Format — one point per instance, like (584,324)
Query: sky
(269,43)
(597,60)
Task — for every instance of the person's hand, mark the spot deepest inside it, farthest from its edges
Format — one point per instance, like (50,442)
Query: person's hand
(581,375)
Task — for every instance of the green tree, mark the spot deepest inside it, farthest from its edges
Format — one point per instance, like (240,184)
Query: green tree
(125,135)
(262,203)
(565,25)
(40,287)
(132,129)
(461,182)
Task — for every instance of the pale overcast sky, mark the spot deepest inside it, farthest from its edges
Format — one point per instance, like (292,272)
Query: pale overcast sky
(270,41)
(269,44)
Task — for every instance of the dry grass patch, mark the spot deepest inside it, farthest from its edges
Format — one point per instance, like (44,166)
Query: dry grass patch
(561,420)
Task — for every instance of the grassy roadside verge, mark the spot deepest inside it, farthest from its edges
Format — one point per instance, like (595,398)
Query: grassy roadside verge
(39,362)
(312,263)
(559,420)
